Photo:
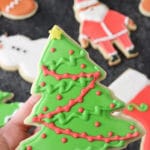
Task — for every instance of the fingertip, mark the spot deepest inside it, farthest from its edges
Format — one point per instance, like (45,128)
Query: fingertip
(33,99)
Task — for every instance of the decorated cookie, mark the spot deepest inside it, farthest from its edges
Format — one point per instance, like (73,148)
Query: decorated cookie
(18,9)
(21,53)
(5,96)
(7,110)
(134,88)
(144,7)
(74,111)
(103,27)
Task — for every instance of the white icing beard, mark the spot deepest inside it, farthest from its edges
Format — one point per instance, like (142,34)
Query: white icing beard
(95,13)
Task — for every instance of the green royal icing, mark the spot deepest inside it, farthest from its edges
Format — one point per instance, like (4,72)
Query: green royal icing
(142,107)
(91,118)
(6,109)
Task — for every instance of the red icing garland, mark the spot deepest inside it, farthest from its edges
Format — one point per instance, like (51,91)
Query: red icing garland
(84,135)
(73,102)
(46,72)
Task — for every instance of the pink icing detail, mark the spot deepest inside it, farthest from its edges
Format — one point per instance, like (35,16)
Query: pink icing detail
(110,134)
(71,52)
(83,66)
(81,110)
(59,97)
(45,108)
(46,72)
(132,127)
(64,140)
(69,132)
(29,148)
(73,102)
(112,105)
(53,50)
(98,93)
(43,136)
(42,84)
(97,124)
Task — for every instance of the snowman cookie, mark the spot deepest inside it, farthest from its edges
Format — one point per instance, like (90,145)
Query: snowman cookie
(103,27)
(20,53)
(18,9)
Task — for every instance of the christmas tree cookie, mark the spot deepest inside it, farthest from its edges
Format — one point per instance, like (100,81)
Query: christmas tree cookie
(75,111)
(6,110)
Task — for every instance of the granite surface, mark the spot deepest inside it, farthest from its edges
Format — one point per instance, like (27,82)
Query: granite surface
(60,12)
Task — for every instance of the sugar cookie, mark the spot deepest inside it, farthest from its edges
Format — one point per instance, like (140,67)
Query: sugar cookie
(75,111)
(144,7)
(103,27)
(18,9)
(21,53)
(133,88)
(7,110)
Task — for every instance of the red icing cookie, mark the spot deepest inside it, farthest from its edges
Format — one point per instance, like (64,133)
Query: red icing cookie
(134,88)
(139,108)
(103,27)
(18,9)
(75,111)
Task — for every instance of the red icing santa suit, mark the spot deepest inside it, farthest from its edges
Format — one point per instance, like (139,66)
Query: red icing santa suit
(102,27)
(134,89)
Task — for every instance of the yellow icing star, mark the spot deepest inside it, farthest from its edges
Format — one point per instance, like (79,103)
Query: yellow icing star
(55,33)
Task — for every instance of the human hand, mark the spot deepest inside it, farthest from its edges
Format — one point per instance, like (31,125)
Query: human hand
(15,130)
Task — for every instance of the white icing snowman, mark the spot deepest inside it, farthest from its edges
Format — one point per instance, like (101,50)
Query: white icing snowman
(21,53)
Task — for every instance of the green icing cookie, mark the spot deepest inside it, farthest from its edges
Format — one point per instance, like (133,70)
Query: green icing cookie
(75,111)
(5,96)
(6,109)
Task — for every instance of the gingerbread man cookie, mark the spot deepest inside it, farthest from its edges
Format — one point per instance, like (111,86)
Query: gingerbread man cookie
(21,53)
(75,111)
(144,7)
(103,27)
(7,110)
(18,9)
(133,88)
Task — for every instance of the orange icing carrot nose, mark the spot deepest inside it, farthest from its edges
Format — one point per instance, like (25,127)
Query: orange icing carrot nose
(18,9)
(144,7)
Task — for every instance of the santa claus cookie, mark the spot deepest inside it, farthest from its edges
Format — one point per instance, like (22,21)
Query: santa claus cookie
(18,9)
(133,88)
(144,7)
(7,110)
(74,111)
(103,27)
(21,53)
